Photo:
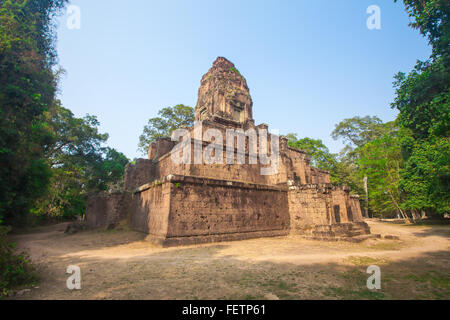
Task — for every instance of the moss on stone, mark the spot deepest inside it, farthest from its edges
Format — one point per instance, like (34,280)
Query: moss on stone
(235,70)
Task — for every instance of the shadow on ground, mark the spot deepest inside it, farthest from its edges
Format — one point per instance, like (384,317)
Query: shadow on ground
(129,268)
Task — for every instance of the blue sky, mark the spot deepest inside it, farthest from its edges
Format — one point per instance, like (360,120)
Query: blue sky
(309,64)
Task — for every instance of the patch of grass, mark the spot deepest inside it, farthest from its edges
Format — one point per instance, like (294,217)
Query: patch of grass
(354,283)
(434,279)
(284,286)
(365,261)
(247,279)
(279,287)
(354,276)
(391,245)
(344,293)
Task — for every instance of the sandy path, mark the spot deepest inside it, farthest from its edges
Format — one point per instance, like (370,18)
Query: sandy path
(120,264)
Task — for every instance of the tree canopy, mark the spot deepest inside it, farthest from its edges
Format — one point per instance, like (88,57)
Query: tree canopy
(27,90)
(49,159)
(423,101)
(78,162)
(170,119)
(318,153)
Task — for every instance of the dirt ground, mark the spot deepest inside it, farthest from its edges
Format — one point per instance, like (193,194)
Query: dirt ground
(120,264)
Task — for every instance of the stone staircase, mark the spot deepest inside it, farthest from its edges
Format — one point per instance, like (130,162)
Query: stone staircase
(352,232)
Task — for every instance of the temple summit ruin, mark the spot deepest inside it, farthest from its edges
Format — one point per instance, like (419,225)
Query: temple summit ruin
(241,194)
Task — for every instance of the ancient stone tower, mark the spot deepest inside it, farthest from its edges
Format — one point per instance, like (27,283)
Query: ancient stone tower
(224,94)
(193,201)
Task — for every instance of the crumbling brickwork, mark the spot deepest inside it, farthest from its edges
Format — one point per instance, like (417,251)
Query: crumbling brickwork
(140,173)
(159,148)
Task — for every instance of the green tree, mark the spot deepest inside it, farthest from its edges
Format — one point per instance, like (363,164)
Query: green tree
(364,136)
(423,100)
(318,153)
(342,170)
(79,164)
(69,138)
(381,162)
(170,119)
(355,133)
(113,169)
(425,179)
(27,89)
(358,131)
(346,172)
(431,18)
(292,138)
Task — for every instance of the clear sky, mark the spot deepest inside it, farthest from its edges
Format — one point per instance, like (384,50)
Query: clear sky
(309,64)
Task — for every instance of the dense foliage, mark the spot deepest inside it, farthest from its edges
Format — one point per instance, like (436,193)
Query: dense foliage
(49,159)
(27,89)
(406,162)
(78,164)
(15,268)
(423,99)
(170,119)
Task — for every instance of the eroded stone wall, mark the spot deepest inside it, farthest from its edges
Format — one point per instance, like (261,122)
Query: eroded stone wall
(207,206)
(107,210)
(355,206)
(150,206)
(144,171)
(325,211)
(183,209)
(159,148)
(309,206)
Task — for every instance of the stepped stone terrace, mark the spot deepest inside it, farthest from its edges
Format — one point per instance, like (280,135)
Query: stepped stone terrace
(201,189)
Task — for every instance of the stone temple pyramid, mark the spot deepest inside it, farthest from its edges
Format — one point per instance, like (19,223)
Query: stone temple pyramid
(197,201)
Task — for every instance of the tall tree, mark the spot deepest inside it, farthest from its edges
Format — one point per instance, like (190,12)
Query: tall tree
(423,96)
(27,89)
(358,131)
(170,119)
(423,100)
(318,153)
(78,162)
(381,162)
(360,134)
(431,18)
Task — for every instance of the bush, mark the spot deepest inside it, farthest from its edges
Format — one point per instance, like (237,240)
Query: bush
(15,269)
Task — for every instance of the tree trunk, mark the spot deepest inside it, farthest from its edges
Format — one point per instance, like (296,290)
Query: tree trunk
(415,215)
(366,189)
